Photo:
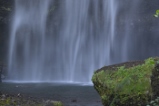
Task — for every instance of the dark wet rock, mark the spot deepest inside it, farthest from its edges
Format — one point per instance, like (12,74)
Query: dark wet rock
(6,10)
(74,100)
(19,95)
(155,81)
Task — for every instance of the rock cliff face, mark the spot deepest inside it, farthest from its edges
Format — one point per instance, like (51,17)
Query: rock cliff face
(155,81)
(128,84)
(6,9)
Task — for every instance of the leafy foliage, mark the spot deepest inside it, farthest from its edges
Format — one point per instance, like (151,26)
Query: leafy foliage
(157,13)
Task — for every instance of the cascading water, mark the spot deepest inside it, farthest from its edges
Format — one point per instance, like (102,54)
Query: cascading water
(65,40)
(27,40)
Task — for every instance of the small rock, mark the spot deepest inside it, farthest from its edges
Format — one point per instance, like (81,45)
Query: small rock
(19,95)
(74,100)
(3,96)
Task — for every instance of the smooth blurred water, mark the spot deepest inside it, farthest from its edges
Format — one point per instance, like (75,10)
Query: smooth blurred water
(27,40)
(67,40)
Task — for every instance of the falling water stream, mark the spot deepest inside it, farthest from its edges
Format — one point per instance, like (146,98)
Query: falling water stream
(67,40)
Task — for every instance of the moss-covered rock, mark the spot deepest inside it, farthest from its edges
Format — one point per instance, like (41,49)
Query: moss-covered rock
(128,84)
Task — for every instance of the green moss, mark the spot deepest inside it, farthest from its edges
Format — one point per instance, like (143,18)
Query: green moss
(16,101)
(57,103)
(125,84)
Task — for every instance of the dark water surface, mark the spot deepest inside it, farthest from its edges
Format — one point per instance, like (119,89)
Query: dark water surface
(69,94)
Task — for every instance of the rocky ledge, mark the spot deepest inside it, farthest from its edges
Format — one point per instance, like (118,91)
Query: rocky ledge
(20,100)
(133,83)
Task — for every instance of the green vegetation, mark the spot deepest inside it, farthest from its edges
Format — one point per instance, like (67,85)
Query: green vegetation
(57,103)
(125,86)
(9,101)
(157,13)
(20,101)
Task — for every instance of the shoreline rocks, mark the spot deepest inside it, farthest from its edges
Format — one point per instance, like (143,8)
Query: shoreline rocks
(21,100)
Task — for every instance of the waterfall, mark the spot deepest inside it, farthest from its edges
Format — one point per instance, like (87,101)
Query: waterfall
(27,40)
(66,40)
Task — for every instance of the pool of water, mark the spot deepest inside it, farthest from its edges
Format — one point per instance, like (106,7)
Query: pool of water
(69,94)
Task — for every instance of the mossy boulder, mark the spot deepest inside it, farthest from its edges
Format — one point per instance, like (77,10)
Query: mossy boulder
(128,84)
